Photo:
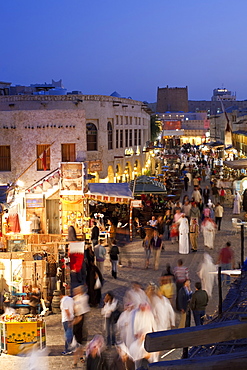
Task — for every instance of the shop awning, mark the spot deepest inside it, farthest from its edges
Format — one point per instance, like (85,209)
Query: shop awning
(236,165)
(215,144)
(146,185)
(109,193)
(148,189)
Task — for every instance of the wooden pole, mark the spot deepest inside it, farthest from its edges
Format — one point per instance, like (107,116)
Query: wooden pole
(242,245)
(131,226)
(48,147)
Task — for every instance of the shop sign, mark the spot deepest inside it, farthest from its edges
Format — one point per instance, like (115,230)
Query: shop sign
(72,178)
(34,202)
(136,203)
(95,166)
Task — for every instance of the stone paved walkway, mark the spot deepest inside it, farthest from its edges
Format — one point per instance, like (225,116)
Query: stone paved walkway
(55,341)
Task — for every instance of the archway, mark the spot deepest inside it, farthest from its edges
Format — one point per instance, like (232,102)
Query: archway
(128,172)
(110,174)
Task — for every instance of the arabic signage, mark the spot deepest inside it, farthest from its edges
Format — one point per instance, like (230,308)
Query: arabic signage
(95,166)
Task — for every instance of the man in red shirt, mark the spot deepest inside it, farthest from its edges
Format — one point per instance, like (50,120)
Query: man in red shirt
(226,260)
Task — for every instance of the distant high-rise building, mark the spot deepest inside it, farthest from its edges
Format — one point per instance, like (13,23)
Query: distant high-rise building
(172,99)
(223,94)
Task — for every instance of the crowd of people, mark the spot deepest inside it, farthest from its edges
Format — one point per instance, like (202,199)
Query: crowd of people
(167,303)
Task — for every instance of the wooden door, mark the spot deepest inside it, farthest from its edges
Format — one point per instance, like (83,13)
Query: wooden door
(52,216)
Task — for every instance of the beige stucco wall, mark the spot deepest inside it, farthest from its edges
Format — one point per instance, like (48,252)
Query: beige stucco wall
(27,134)
(29,117)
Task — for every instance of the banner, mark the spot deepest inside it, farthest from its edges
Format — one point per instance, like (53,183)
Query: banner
(72,178)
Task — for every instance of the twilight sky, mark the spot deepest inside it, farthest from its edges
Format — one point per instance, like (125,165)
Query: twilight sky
(130,46)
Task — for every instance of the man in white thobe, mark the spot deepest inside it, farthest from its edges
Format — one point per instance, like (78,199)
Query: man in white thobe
(208,230)
(144,321)
(135,295)
(183,235)
(237,203)
(125,324)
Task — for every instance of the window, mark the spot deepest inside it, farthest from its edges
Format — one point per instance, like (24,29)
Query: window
(126,120)
(43,158)
(92,137)
(130,140)
(140,138)
(135,120)
(121,119)
(68,153)
(109,130)
(130,120)
(116,120)
(5,163)
(135,137)
(117,139)
(121,139)
(126,138)
(139,119)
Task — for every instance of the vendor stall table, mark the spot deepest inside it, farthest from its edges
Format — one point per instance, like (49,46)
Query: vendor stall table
(17,336)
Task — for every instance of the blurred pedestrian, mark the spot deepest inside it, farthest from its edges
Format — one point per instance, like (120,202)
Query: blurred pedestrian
(186,182)
(161,308)
(226,260)
(183,235)
(156,244)
(123,359)
(184,296)
(114,252)
(95,358)
(125,325)
(207,274)
(135,295)
(147,248)
(198,304)
(80,332)
(222,194)
(208,231)
(110,305)
(100,254)
(237,203)
(194,233)
(67,313)
(219,210)
(95,234)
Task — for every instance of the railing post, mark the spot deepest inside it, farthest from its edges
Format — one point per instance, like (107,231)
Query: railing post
(220,291)
(242,245)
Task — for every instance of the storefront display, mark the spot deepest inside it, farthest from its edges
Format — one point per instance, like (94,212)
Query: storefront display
(72,214)
(19,333)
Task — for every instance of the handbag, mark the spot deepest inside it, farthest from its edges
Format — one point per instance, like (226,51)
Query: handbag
(115,315)
(97,284)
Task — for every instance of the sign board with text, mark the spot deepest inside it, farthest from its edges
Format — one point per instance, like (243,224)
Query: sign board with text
(95,166)
(136,203)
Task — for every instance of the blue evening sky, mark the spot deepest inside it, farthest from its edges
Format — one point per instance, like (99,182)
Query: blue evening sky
(130,46)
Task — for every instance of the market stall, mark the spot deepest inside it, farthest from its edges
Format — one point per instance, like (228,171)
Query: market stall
(20,333)
(112,200)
